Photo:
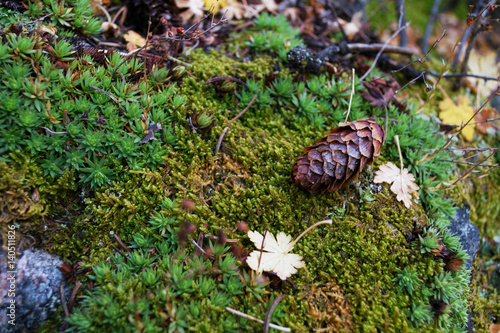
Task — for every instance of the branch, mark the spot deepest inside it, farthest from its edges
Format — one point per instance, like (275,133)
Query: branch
(244,315)
(269,314)
(229,123)
(382,50)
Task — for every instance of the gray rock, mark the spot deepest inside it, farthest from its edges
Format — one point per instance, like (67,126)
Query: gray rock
(36,288)
(467,232)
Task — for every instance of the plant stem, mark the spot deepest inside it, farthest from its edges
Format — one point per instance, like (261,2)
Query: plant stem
(310,228)
(396,138)
(352,94)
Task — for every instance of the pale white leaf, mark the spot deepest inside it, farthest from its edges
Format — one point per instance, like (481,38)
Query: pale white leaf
(403,182)
(274,256)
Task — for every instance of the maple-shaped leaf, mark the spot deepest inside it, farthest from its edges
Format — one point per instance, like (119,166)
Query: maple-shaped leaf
(402,182)
(483,125)
(458,114)
(134,40)
(275,255)
(485,65)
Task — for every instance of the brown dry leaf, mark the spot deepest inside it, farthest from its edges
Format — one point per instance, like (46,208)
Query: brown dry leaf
(486,65)
(134,40)
(495,328)
(482,117)
(458,114)
(402,182)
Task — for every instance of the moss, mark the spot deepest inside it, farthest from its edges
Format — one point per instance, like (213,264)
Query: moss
(373,237)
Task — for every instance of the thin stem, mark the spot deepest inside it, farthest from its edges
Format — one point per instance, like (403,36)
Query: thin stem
(244,315)
(352,94)
(396,138)
(382,50)
(310,228)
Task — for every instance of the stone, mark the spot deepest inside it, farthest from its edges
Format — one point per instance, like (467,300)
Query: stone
(34,296)
(467,232)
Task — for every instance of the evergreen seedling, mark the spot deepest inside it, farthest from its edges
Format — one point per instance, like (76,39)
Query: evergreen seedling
(407,279)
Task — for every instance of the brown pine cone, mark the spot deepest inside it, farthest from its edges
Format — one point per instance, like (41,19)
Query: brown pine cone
(339,156)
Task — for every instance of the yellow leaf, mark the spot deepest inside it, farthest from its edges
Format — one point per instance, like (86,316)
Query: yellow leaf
(458,114)
(133,40)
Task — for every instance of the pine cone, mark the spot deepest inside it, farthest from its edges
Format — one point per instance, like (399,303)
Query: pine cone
(339,156)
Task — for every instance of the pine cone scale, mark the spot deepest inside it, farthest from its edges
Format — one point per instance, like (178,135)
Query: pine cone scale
(339,156)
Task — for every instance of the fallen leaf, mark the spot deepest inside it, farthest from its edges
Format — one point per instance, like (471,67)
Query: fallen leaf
(481,120)
(486,65)
(194,8)
(150,132)
(458,114)
(495,328)
(134,40)
(402,182)
(274,256)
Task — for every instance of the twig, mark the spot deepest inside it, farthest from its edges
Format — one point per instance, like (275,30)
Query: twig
(350,98)
(105,93)
(461,128)
(219,142)
(402,36)
(487,78)
(244,315)
(430,24)
(362,47)
(227,240)
(78,284)
(474,167)
(469,163)
(51,132)
(382,50)
(198,247)
(244,110)
(63,299)
(118,250)
(224,78)
(459,42)
(267,321)
(119,241)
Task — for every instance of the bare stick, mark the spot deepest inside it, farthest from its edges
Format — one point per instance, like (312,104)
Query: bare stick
(362,47)
(430,24)
(219,142)
(244,110)
(267,321)
(396,138)
(350,98)
(474,167)
(382,50)
(310,228)
(51,132)
(460,130)
(469,163)
(78,284)
(244,315)
(227,240)
(198,247)
(487,78)
(63,299)
(119,241)
(105,93)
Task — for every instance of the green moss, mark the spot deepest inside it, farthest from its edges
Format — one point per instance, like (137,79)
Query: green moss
(248,180)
